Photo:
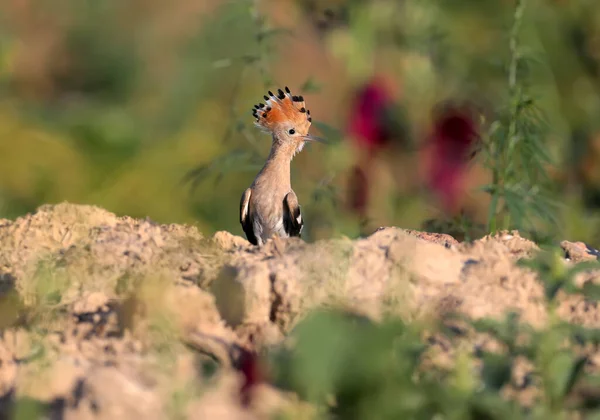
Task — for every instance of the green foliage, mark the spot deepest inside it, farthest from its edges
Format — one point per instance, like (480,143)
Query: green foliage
(125,106)
(558,276)
(358,370)
(26,408)
(515,149)
(353,368)
(139,101)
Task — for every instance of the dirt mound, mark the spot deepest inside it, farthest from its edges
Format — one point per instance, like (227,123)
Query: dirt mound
(112,317)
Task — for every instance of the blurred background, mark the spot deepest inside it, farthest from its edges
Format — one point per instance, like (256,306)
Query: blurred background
(462,117)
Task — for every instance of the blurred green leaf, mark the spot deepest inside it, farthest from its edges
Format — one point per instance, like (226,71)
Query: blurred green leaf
(492,406)
(591,291)
(497,370)
(324,340)
(564,370)
(29,409)
(577,370)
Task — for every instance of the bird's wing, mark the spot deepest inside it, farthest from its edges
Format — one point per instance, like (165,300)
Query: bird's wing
(245,218)
(292,215)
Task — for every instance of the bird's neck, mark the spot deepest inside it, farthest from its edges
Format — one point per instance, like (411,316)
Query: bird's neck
(282,152)
(278,163)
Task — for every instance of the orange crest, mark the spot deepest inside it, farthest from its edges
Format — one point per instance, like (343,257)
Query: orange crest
(283,108)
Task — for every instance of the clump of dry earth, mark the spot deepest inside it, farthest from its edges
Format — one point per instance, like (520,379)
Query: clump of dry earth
(110,317)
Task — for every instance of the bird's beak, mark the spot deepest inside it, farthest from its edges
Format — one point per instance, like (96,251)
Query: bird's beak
(314,138)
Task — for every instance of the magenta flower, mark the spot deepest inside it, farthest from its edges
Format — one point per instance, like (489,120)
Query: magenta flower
(452,141)
(250,367)
(370,130)
(367,125)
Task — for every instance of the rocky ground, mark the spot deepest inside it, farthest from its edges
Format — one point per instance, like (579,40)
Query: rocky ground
(109,317)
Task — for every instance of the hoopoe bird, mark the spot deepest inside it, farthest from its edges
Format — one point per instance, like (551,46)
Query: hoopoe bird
(269,208)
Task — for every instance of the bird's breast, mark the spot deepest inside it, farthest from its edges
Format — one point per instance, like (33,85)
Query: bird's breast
(267,215)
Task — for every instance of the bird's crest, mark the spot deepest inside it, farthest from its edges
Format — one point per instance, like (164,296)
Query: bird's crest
(281,108)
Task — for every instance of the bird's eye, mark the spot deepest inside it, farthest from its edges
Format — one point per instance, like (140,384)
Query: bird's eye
(292,131)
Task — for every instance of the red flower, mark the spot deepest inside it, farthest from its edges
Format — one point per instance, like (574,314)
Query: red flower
(371,130)
(453,138)
(367,116)
(252,371)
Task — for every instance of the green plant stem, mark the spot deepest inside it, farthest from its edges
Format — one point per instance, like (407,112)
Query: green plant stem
(492,215)
(514,94)
(512,81)
(502,166)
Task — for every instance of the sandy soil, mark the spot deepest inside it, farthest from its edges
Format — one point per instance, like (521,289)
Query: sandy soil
(109,317)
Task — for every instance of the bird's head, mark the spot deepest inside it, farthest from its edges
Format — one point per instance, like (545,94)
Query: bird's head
(285,117)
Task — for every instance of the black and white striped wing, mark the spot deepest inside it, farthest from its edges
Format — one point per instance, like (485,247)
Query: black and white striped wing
(245,219)
(292,215)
